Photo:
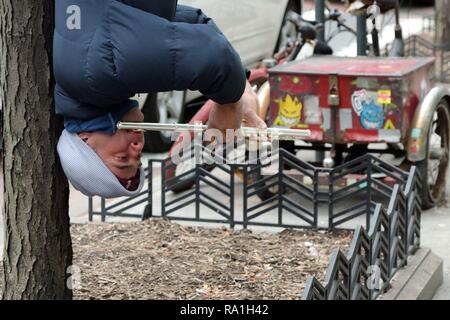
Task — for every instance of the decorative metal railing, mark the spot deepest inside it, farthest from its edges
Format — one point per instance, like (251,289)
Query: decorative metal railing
(222,205)
(374,256)
(122,208)
(283,191)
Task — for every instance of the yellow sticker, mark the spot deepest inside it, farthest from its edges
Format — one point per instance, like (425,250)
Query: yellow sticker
(384,96)
(390,125)
(290,112)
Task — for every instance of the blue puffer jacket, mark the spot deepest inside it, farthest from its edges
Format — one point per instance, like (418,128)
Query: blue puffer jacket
(106,51)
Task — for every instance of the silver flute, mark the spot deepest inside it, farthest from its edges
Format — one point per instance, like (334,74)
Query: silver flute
(273,133)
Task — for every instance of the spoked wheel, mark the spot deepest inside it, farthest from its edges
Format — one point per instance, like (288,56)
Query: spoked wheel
(188,180)
(182,175)
(265,191)
(433,170)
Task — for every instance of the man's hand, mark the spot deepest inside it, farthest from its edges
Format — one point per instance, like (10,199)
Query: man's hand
(242,113)
(226,116)
(251,109)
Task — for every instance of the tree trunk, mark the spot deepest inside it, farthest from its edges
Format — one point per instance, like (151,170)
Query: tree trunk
(442,21)
(38,247)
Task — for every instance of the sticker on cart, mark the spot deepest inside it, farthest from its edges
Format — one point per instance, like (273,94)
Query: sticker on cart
(358,99)
(389,136)
(384,96)
(313,114)
(391,109)
(290,112)
(416,133)
(389,125)
(366,106)
(372,116)
(367,83)
(345,119)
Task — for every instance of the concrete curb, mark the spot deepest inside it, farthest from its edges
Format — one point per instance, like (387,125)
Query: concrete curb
(419,280)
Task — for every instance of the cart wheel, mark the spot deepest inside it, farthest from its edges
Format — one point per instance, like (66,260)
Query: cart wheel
(178,185)
(265,192)
(433,170)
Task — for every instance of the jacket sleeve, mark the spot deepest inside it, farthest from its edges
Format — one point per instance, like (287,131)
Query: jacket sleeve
(154,54)
(162,8)
(191,15)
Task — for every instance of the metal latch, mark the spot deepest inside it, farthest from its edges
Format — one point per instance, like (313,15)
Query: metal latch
(333,97)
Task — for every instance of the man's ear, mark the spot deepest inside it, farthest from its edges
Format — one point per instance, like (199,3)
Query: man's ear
(85,136)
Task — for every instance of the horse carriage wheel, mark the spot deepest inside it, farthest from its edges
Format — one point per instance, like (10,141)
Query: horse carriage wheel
(433,170)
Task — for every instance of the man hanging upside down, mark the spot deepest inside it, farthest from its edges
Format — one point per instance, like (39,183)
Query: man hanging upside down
(106,51)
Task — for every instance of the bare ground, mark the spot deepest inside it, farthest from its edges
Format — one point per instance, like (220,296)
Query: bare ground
(161,260)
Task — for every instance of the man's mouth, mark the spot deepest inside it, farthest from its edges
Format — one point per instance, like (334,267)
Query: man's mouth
(122,158)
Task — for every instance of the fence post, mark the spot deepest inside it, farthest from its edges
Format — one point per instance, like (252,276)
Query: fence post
(91,209)
(103,205)
(369,191)
(330,200)
(148,212)
(245,201)
(197,191)
(232,194)
(316,199)
(163,189)
(280,186)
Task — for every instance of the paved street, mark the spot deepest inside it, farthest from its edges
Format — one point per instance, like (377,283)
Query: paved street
(436,235)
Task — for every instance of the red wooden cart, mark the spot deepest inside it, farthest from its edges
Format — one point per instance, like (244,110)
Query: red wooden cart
(357,105)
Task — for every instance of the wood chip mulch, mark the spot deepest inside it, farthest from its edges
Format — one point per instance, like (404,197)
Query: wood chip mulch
(162,260)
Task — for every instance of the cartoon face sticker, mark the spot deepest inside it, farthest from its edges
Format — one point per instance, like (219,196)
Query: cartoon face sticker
(372,116)
(290,112)
(371,113)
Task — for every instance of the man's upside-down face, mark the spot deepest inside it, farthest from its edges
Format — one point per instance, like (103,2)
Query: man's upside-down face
(120,152)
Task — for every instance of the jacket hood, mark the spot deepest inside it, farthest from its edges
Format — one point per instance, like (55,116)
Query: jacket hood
(163,8)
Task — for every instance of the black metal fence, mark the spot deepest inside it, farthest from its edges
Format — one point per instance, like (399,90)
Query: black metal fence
(376,255)
(417,46)
(223,188)
(125,208)
(284,191)
(302,190)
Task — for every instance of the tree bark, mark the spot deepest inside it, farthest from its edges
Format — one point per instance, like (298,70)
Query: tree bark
(442,21)
(38,247)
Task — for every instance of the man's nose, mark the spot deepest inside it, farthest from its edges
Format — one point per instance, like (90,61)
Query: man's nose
(136,147)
